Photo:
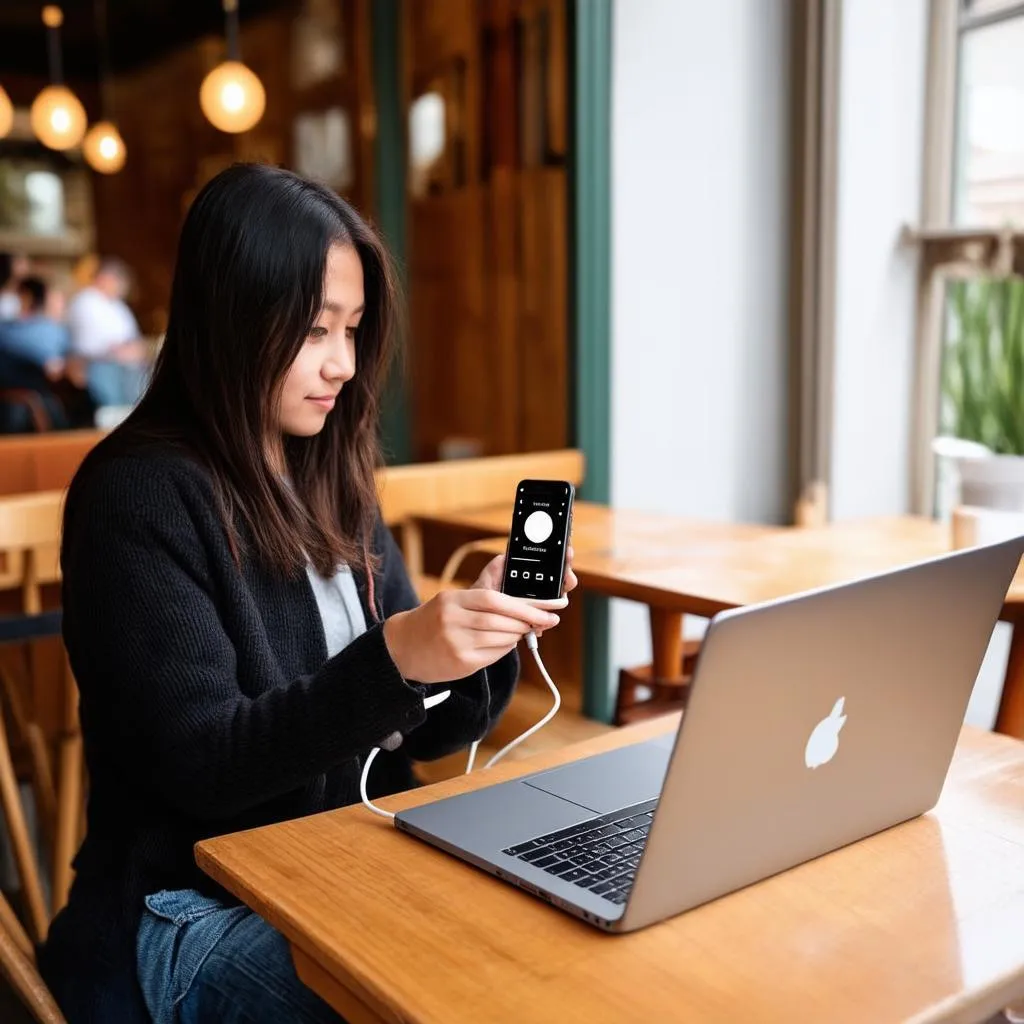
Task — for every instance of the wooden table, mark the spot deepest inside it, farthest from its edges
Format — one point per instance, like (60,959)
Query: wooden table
(683,567)
(620,553)
(924,922)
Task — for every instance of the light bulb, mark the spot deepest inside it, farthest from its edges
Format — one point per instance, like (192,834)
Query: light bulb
(58,118)
(104,148)
(232,97)
(6,113)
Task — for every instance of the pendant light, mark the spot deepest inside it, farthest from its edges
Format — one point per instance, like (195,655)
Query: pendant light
(57,117)
(232,96)
(6,113)
(103,147)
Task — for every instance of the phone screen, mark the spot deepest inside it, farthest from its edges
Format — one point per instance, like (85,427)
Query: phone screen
(539,535)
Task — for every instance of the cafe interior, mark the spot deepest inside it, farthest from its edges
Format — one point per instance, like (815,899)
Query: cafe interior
(746,278)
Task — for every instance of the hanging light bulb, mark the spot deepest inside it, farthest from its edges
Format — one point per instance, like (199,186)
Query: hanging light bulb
(57,117)
(6,113)
(232,96)
(104,148)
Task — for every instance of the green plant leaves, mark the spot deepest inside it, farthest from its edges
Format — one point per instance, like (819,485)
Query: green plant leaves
(983,367)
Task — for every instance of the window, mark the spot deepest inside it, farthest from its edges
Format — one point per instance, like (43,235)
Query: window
(31,198)
(323,147)
(973,209)
(989,157)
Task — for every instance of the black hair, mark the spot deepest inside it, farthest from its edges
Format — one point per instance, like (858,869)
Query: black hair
(35,288)
(248,287)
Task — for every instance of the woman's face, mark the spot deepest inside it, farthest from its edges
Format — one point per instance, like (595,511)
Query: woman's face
(327,359)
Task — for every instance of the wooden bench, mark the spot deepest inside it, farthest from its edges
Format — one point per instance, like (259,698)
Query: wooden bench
(43,462)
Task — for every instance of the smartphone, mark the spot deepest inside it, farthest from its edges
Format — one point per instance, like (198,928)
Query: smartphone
(538,538)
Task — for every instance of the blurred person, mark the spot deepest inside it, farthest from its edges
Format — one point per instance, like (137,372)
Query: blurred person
(238,617)
(12,270)
(37,336)
(105,334)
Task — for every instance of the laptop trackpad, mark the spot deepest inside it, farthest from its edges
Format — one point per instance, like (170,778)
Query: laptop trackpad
(609,781)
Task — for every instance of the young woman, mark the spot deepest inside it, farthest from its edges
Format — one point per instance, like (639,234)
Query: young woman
(239,620)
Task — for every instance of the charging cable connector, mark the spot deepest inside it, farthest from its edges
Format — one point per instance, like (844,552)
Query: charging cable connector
(532,646)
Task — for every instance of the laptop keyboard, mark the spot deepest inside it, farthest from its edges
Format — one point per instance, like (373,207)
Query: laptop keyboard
(600,854)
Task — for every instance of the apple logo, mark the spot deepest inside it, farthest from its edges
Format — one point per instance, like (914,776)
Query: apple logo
(824,741)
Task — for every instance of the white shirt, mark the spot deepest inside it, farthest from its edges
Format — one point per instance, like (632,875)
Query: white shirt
(10,306)
(99,323)
(340,609)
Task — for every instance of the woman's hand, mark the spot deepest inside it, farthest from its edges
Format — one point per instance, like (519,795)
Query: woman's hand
(494,572)
(459,632)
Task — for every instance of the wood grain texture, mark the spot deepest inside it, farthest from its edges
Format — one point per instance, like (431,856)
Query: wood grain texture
(924,922)
(678,567)
(702,568)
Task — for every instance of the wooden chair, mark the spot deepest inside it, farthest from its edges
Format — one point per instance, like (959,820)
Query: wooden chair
(435,488)
(18,966)
(29,535)
(20,630)
(31,401)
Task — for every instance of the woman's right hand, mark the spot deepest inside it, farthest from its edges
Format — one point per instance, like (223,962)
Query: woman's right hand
(459,632)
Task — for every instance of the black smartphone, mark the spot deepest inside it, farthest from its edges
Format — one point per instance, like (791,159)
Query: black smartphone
(538,538)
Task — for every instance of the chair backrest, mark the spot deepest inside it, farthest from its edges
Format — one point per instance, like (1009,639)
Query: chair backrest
(433,488)
(30,527)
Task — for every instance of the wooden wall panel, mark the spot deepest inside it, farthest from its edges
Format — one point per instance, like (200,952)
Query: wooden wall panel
(490,227)
(543,310)
(447,311)
(173,150)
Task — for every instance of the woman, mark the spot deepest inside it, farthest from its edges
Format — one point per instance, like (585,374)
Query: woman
(237,616)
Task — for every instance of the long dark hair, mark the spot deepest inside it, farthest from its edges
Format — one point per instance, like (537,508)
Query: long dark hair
(248,287)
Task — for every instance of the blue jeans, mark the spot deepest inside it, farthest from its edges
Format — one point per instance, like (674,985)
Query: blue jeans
(113,383)
(200,961)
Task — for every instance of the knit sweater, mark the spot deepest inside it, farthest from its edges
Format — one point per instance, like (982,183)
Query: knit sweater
(208,702)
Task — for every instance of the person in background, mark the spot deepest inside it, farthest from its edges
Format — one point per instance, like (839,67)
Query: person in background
(104,332)
(37,336)
(12,270)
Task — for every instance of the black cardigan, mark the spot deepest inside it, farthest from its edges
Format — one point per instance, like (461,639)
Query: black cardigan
(208,703)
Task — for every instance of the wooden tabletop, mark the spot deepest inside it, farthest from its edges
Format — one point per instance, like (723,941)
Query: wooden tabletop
(924,922)
(702,568)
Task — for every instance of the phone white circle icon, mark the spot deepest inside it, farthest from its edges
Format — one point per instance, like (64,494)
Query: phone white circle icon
(538,527)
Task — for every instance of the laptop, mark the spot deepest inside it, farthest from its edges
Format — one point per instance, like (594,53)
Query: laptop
(813,722)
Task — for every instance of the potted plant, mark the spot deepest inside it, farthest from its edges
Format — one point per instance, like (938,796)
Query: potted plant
(982,411)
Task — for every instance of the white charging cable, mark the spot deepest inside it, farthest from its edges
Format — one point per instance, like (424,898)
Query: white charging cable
(428,702)
(531,643)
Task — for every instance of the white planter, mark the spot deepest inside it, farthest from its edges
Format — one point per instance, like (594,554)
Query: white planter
(992,481)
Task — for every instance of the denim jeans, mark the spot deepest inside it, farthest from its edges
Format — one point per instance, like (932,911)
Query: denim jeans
(113,383)
(200,961)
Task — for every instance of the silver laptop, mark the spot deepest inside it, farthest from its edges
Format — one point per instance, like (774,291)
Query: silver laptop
(813,721)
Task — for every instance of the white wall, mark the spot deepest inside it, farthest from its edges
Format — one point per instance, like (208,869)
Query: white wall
(881,137)
(699,254)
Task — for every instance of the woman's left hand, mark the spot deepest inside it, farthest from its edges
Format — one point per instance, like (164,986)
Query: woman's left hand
(494,571)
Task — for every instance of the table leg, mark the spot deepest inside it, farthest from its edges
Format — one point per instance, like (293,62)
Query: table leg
(1010,719)
(666,643)
(335,992)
